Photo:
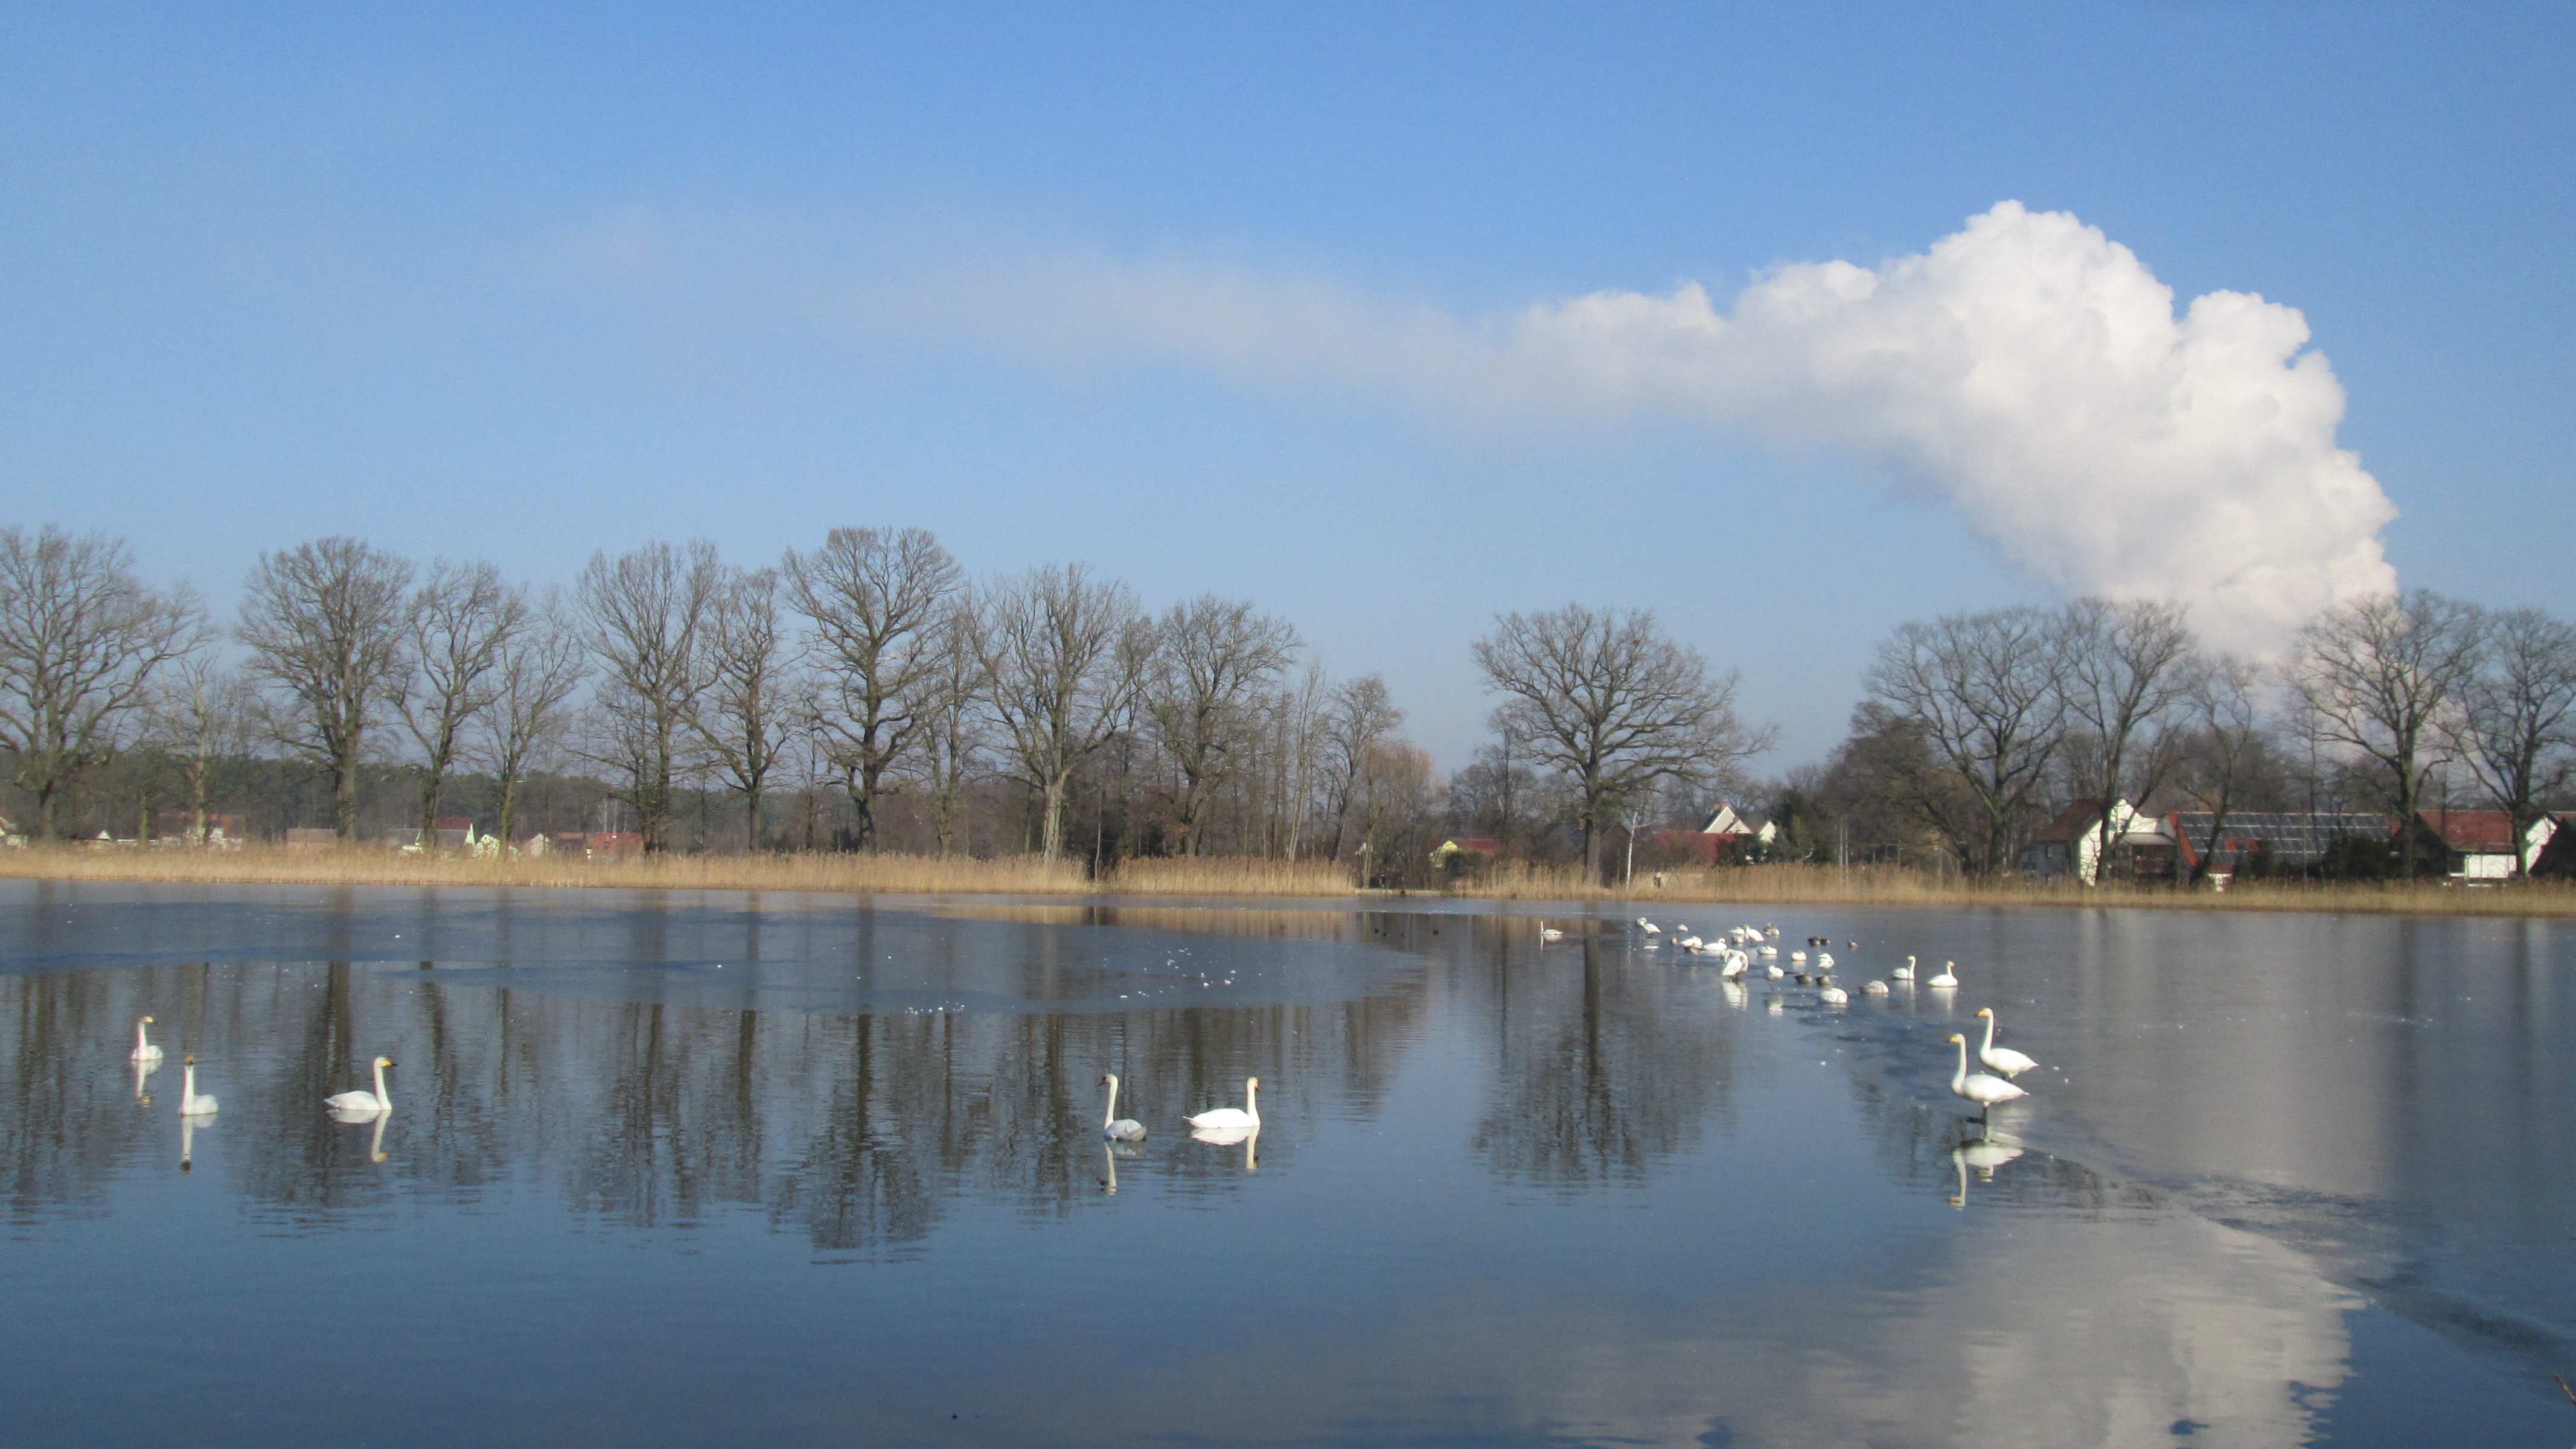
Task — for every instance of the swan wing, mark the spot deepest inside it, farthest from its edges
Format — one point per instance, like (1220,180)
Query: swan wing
(2007,1061)
(1983,1088)
(1126,1129)
(352,1102)
(1221,1119)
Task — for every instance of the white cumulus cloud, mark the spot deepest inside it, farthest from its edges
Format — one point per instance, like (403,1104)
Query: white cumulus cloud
(2027,369)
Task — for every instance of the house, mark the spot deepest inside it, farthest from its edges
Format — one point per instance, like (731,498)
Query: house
(2479,845)
(1451,846)
(2285,841)
(179,827)
(2142,846)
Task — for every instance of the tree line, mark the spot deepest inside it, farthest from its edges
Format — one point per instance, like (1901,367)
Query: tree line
(862,694)
(867,693)
(1973,729)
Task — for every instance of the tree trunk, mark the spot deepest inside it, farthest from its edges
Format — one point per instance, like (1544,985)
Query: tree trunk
(344,797)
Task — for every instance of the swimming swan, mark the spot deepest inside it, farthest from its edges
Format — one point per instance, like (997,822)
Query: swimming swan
(1945,978)
(1904,972)
(190,1104)
(1547,932)
(1111,1125)
(1873,988)
(2002,1059)
(144,1050)
(1981,1089)
(376,1101)
(1230,1119)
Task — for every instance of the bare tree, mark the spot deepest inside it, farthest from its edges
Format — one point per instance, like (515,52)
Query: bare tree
(463,617)
(81,638)
(2516,726)
(328,623)
(749,697)
(1062,653)
(2127,667)
(1211,656)
(1361,717)
(1609,701)
(878,599)
(200,712)
(2375,677)
(534,676)
(953,718)
(1982,691)
(647,614)
(2223,704)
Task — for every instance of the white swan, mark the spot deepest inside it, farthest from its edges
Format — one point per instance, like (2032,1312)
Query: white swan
(144,1050)
(1649,927)
(1981,1089)
(1904,972)
(1833,996)
(190,1104)
(1873,988)
(2002,1059)
(1231,1119)
(1824,960)
(1112,1126)
(1945,978)
(1547,932)
(376,1101)
(1798,958)
(1773,971)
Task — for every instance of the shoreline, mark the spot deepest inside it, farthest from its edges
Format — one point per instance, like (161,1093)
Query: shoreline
(1235,877)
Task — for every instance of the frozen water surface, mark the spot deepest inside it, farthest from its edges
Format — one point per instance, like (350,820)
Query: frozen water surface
(702,1168)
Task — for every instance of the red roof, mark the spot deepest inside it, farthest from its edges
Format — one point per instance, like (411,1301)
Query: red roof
(2474,832)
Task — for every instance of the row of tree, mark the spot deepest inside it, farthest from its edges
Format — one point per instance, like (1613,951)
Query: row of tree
(870,664)
(866,693)
(1974,728)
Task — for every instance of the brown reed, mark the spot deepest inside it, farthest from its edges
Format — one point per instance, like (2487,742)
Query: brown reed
(1238,876)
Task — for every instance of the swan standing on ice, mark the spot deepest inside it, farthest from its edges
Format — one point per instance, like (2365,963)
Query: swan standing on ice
(144,1050)
(1904,972)
(190,1104)
(1230,1122)
(1945,978)
(2002,1059)
(1981,1089)
(1649,927)
(1114,1127)
(376,1101)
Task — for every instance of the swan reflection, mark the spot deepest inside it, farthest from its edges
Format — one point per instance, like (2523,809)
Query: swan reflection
(1985,1155)
(187,1144)
(143,1070)
(1248,1137)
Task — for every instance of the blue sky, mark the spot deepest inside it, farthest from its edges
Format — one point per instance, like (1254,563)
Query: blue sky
(477,283)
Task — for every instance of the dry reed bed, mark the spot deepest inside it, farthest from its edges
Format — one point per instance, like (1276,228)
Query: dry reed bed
(1023,875)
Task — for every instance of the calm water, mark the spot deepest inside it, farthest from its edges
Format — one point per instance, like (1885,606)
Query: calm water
(710,1168)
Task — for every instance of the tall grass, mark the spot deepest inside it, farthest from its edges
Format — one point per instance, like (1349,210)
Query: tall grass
(1235,876)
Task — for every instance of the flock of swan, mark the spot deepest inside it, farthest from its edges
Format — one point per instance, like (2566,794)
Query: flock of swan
(1738,947)
(196,1108)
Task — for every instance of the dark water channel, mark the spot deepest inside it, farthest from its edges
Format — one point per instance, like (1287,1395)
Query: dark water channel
(721,1169)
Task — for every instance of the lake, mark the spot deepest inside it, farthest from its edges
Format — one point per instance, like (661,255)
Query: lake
(715,1168)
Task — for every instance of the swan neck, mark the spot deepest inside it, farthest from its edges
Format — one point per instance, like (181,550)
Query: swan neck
(1252,1102)
(1110,1117)
(384,1102)
(1990,1034)
(1959,1079)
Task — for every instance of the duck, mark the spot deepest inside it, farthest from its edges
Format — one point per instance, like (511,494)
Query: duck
(1981,1089)
(1112,1126)
(376,1101)
(1945,978)
(2002,1059)
(190,1104)
(144,1050)
(1904,972)
(1232,1119)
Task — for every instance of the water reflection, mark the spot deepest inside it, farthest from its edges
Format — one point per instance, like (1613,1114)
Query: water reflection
(1515,1192)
